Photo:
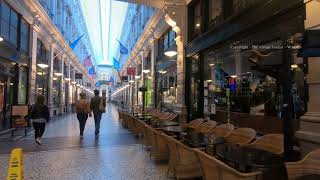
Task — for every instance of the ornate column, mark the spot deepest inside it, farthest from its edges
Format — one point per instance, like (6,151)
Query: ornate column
(68,98)
(33,63)
(154,54)
(176,17)
(62,86)
(51,62)
(309,133)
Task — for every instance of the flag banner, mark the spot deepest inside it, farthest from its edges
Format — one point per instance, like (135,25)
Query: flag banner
(116,64)
(92,71)
(74,44)
(87,61)
(123,49)
(119,75)
(131,71)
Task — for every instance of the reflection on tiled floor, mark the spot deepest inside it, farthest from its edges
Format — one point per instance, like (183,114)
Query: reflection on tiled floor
(118,162)
(63,155)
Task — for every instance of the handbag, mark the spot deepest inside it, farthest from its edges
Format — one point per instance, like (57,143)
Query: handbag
(101,106)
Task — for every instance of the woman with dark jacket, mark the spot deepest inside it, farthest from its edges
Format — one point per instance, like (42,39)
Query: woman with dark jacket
(83,111)
(39,116)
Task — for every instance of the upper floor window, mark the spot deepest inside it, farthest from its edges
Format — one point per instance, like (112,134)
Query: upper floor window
(41,52)
(24,36)
(166,41)
(215,11)
(195,18)
(9,24)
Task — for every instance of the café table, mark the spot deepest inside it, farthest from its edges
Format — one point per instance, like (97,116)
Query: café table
(309,177)
(166,123)
(248,159)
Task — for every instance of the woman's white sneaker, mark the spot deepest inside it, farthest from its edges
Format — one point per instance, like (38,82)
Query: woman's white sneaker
(38,141)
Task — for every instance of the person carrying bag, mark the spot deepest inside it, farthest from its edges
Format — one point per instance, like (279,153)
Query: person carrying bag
(83,111)
(97,106)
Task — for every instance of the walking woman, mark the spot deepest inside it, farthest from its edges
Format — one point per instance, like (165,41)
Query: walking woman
(39,116)
(83,110)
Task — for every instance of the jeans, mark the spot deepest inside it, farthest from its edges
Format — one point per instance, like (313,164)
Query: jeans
(97,119)
(38,129)
(82,117)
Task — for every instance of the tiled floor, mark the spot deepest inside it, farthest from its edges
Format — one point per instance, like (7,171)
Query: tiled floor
(63,155)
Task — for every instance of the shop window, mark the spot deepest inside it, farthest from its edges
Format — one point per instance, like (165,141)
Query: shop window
(215,11)
(42,70)
(24,36)
(22,86)
(5,21)
(252,76)
(13,27)
(195,19)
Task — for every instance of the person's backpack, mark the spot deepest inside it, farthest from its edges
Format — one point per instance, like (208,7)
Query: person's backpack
(101,106)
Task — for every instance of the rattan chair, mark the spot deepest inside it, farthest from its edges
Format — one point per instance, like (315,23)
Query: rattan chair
(270,142)
(147,134)
(194,124)
(183,161)
(207,127)
(172,153)
(310,164)
(241,136)
(214,169)
(222,130)
(159,149)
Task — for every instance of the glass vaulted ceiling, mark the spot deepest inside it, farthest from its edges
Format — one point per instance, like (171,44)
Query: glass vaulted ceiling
(104,20)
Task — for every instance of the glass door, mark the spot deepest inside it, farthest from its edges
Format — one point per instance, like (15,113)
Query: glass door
(3,123)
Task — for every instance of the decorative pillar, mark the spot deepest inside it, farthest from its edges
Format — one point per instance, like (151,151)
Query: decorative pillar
(176,17)
(51,63)
(62,86)
(33,63)
(309,133)
(69,90)
(154,54)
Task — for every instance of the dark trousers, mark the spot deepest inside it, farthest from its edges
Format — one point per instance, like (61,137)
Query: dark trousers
(97,119)
(38,129)
(82,117)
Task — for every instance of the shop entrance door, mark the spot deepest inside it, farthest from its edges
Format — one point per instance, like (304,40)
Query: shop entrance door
(4,122)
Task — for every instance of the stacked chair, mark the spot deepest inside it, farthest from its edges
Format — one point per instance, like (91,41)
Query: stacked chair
(309,165)
(270,142)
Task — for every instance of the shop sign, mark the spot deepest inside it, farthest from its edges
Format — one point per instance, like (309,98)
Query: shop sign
(19,116)
(131,71)
(78,76)
(124,78)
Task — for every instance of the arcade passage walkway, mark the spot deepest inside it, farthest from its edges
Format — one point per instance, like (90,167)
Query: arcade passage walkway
(63,155)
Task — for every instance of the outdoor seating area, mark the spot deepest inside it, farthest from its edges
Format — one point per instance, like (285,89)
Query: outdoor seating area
(209,150)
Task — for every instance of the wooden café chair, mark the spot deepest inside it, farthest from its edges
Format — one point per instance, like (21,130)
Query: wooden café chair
(309,165)
(194,124)
(241,136)
(270,142)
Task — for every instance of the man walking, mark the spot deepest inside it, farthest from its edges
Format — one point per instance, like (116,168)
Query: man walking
(97,106)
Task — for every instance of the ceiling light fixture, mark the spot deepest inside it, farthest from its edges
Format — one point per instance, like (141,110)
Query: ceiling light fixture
(43,66)
(146,71)
(171,53)
(294,66)
(209,81)
(58,74)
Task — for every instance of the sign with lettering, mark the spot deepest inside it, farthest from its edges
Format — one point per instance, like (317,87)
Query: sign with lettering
(131,71)
(19,115)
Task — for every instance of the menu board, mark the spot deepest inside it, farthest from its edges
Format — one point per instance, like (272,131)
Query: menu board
(19,115)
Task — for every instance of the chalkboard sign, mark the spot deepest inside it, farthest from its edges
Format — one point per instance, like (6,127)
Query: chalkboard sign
(19,117)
